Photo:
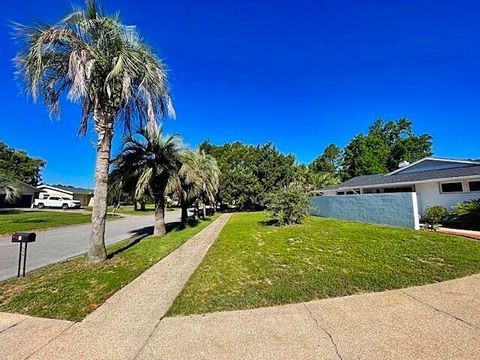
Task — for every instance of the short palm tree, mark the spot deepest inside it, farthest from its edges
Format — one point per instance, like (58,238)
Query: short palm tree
(210,173)
(105,67)
(322,179)
(187,182)
(149,162)
(196,178)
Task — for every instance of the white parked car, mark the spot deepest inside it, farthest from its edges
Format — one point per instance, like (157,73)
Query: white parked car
(57,202)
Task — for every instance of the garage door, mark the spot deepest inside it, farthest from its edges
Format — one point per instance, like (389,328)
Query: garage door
(24,201)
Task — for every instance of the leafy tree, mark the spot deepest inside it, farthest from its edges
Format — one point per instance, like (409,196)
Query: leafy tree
(105,67)
(385,146)
(434,215)
(328,162)
(248,173)
(365,155)
(272,168)
(16,164)
(289,205)
(149,162)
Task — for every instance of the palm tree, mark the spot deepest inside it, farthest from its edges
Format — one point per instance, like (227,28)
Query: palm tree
(196,178)
(10,187)
(322,179)
(187,182)
(149,162)
(209,173)
(105,67)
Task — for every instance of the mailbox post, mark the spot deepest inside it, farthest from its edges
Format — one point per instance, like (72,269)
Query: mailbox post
(23,239)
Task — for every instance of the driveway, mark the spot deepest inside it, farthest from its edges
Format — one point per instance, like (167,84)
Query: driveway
(66,242)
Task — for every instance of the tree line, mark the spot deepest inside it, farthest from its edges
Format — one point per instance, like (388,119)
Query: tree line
(249,174)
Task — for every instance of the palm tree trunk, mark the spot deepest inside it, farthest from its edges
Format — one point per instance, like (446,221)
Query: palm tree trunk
(160,228)
(97,251)
(184,214)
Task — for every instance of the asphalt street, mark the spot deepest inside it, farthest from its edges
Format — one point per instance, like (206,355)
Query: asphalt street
(62,243)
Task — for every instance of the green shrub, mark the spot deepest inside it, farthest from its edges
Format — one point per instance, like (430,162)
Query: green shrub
(434,215)
(289,205)
(466,215)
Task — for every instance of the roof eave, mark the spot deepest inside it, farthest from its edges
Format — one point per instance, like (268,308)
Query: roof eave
(408,182)
(57,189)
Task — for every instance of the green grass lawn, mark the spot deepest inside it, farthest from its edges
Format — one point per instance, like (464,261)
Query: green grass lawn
(253,264)
(71,290)
(15,220)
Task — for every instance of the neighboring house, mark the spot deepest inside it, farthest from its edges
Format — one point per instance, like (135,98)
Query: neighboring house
(436,181)
(27,195)
(67,192)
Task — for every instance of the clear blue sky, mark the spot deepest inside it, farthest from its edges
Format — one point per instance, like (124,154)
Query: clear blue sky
(302,74)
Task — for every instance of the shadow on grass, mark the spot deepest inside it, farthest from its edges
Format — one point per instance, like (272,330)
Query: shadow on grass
(14,211)
(139,234)
(270,222)
(32,221)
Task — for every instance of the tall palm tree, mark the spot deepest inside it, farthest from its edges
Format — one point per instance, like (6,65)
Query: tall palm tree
(105,67)
(150,161)
(196,178)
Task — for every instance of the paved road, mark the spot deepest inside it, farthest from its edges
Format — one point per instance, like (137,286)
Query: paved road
(63,243)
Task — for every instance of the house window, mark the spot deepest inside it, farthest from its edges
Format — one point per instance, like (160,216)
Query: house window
(399,189)
(474,185)
(451,187)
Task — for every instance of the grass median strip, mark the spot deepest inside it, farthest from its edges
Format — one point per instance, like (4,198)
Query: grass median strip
(253,264)
(24,220)
(130,210)
(71,290)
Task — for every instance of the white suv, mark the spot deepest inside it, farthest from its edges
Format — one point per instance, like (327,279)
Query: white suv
(57,202)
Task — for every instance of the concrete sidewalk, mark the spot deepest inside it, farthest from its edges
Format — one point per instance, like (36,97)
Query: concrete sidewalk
(459,232)
(438,321)
(123,324)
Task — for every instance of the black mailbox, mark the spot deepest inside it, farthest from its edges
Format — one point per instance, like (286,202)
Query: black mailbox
(23,237)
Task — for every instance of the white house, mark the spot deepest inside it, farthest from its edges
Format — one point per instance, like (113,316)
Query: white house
(85,196)
(436,181)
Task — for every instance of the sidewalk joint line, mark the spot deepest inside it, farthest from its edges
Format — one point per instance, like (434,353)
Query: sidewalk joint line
(332,340)
(49,341)
(11,326)
(440,310)
(149,337)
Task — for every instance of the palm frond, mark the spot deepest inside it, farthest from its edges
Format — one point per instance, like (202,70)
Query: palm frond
(95,61)
(151,163)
